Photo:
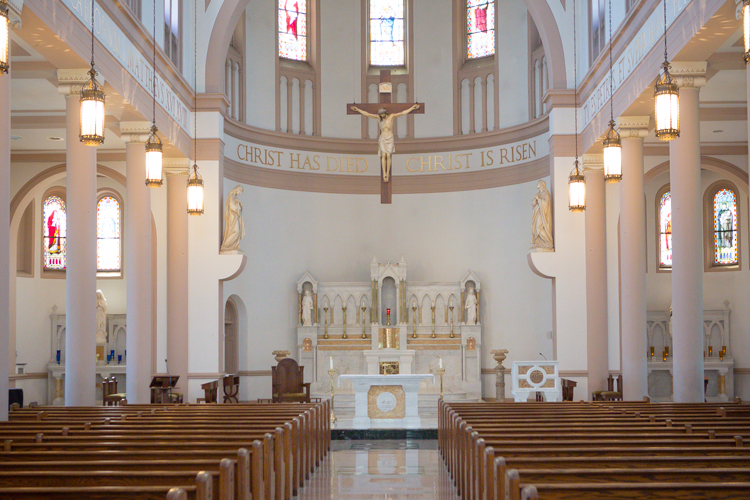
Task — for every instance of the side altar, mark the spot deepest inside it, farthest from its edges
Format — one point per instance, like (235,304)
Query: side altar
(390,326)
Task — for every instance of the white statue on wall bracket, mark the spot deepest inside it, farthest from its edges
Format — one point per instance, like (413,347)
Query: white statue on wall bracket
(541,219)
(471,307)
(234,227)
(307,308)
(101,318)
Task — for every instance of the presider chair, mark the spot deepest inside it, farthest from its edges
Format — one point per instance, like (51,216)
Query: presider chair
(288,382)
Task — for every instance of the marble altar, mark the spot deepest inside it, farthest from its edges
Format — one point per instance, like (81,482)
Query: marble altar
(386,400)
(393,325)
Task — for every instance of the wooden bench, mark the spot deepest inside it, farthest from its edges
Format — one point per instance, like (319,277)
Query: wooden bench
(489,446)
(135,443)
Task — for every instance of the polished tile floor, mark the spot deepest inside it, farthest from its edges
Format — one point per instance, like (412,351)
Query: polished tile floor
(384,470)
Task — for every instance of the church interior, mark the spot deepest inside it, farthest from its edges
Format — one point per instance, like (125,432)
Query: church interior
(374,249)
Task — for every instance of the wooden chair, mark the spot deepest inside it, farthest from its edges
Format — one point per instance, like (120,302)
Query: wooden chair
(610,394)
(231,388)
(110,396)
(287,382)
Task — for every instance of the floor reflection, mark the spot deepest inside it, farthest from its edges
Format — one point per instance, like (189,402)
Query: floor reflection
(386,470)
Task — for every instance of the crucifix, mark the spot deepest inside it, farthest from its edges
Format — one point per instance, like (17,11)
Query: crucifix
(385,112)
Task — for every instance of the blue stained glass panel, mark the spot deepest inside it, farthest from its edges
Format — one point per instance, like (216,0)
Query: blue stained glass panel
(725,228)
(665,230)
(108,234)
(387,32)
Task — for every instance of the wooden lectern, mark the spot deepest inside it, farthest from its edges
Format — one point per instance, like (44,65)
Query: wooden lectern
(161,388)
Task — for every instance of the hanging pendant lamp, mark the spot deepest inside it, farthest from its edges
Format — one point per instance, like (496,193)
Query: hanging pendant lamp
(667,98)
(576,180)
(612,144)
(92,103)
(154,159)
(4,38)
(195,181)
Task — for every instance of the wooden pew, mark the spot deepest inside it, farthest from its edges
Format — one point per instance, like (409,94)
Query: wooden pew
(146,433)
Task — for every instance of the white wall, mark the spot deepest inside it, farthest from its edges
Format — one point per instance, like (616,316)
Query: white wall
(513,62)
(340,64)
(441,236)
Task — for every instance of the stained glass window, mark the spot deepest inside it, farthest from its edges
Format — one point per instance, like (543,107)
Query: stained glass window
(387,32)
(665,230)
(480,28)
(108,234)
(54,231)
(293,29)
(725,227)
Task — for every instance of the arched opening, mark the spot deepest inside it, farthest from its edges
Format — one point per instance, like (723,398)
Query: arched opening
(231,329)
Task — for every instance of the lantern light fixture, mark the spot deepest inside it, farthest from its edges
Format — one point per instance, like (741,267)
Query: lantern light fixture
(154,157)
(667,97)
(576,190)
(195,181)
(4,38)
(91,131)
(576,180)
(195,192)
(746,29)
(612,155)
(612,144)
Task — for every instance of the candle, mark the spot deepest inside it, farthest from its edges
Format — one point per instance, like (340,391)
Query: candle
(414,303)
(388,311)
(440,360)
(363,302)
(330,361)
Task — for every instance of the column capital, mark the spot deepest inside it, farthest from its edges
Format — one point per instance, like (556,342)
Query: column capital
(593,163)
(135,132)
(689,73)
(176,166)
(70,81)
(633,126)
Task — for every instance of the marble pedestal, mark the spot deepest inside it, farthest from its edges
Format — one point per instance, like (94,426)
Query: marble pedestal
(410,384)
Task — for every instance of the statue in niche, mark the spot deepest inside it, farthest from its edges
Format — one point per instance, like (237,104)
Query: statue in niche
(471,307)
(541,219)
(386,142)
(307,307)
(101,318)
(234,227)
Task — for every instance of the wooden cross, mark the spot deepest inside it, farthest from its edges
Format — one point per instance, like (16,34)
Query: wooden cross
(385,90)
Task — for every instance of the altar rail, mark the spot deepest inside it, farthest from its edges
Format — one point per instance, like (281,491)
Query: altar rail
(596,450)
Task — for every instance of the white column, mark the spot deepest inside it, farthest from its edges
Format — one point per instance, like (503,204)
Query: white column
(138,265)
(596,275)
(687,238)
(177,277)
(80,275)
(633,259)
(5,358)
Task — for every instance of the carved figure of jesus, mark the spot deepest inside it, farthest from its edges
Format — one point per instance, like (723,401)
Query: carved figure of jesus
(386,142)
(307,307)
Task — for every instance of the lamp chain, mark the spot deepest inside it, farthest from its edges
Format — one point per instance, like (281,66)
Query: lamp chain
(92,34)
(195,83)
(154,75)
(665,30)
(575,80)
(611,73)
